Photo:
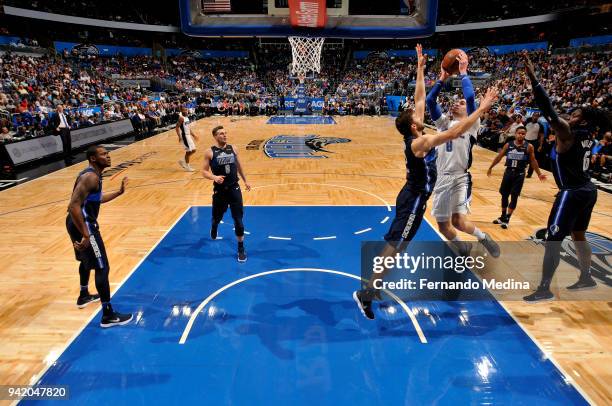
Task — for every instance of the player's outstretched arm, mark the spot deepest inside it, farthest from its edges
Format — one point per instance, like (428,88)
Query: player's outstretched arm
(107,197)
(561,127)
(424,144)
(498,158)
(419,92)
(466,84)
(432,97)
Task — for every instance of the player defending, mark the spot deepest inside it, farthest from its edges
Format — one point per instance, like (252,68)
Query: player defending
(82,225)
(222,166)
(420,154)
(452,193)
(571,211)
(519,153)
(186,136)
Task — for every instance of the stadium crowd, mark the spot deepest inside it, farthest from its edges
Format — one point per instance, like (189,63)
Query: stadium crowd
(31,88)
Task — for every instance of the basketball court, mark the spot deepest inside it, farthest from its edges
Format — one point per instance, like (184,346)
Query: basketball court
(282,328)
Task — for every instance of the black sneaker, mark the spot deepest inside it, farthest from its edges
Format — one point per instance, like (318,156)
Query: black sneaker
(505,225)
(499,220)
(83,301)
(213,231)
(490,245)
(539,295)
(583,284)
(242,257)
(364,305)
(113,319)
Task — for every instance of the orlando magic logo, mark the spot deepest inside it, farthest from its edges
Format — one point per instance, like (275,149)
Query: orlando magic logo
(305,146)
(601,258)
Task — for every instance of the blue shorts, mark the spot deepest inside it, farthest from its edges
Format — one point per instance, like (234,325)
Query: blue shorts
(410,208)
(571,211)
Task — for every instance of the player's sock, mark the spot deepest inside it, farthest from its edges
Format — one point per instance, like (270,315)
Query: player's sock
(84,291)
(478,234)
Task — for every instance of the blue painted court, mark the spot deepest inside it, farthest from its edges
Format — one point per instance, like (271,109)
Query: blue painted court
(303,120)
(295,336)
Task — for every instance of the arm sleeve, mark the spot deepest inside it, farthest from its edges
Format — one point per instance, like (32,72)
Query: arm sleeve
(431,101)
(543,102)
(468,94)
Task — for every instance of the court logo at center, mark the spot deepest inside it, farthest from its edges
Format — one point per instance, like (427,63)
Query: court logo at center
(302,146)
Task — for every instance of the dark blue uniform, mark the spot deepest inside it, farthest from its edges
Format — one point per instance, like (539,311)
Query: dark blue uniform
(93,257)
(577,195)
(411,201)
(227,194)
(517,159)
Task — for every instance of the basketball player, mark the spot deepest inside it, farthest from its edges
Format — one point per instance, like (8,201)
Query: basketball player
(82,225)
(452,193)
(222,166)
(571,211)
(519,153)
(420,154)
(186,136)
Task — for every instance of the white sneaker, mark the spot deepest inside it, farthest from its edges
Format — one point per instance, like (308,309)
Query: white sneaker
(184,165)
(189,168)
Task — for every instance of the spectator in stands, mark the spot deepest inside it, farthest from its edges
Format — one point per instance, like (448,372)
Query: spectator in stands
(5,135)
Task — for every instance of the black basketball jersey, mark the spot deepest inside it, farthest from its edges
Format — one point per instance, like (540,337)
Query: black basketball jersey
(223,163)
(570,168)
(422,172)
(91,206)
(517,157)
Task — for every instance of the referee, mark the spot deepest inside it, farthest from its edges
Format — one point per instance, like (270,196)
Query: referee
(222,166)
(62,128)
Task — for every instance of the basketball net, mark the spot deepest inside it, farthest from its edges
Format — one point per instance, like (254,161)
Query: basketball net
(306,53)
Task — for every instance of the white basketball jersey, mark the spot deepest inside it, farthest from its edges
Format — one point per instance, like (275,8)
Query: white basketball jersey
(185,126)
(455,156)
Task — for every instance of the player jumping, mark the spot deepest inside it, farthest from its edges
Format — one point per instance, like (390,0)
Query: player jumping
(452,193)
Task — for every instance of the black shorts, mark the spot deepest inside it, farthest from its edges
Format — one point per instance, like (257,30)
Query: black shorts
(224,197)
(410,208)
(571,211)
(512,182)
(94,257)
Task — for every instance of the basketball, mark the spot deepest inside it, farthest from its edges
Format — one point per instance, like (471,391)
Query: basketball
(450,62)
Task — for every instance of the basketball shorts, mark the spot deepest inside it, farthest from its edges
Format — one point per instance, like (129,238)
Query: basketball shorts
(410,208)
(188,142)
(224,197)
(94,257)
(571,211)
(452,194)
(512,182)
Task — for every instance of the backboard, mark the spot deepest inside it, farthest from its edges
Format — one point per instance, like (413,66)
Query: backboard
(345,19)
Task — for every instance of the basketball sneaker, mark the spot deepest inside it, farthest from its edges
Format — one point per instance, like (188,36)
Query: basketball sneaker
(111,318)
(502,221)
(540,295)
(185,165)
(499,220)
(490,245)
(213,231)
(84,300)
(364,305)
(585,283)
(242,257)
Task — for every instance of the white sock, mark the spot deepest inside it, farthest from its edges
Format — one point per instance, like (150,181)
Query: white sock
(478,234)
(456,238)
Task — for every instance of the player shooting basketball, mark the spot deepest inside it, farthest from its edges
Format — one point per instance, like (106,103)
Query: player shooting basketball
(453,190)
(420,154)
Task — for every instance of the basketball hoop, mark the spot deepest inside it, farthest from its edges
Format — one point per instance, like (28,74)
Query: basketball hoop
(306,53)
